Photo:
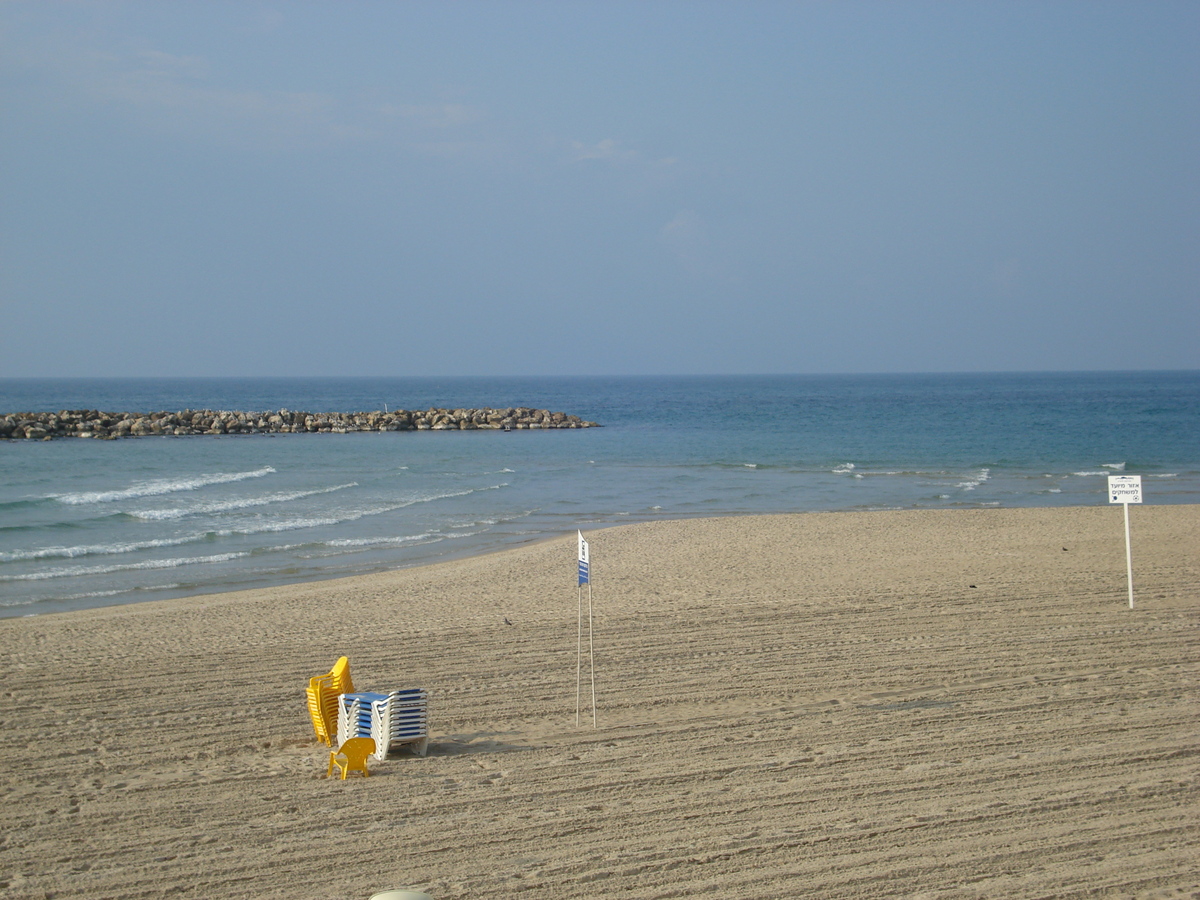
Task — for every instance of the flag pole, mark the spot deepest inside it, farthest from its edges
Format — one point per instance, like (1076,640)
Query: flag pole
(584,578)
(578,654)
(591,652)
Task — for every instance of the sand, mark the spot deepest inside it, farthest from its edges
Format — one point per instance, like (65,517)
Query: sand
(923,704)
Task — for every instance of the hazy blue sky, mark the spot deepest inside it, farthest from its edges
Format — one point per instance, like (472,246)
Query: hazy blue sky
(408,188)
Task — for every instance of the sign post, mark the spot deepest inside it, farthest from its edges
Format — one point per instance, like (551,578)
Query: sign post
(1126,489)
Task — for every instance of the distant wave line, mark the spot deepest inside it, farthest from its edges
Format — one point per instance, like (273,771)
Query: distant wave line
(459,530)
(221,506)
(982,476)
(159,487)
(84,595)
(322,521)
(197,537)
(367,543)
(96,549)
(76,571)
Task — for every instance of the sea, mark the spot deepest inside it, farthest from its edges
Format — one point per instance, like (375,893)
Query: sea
(87,523)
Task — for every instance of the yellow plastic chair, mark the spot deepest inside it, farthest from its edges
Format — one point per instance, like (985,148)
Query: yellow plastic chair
(321,710)
(322,694)
(352,756)
(340,674)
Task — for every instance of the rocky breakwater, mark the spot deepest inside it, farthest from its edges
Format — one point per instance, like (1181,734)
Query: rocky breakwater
(90,423)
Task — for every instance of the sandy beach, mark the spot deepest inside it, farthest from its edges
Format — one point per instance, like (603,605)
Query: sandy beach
(925,704)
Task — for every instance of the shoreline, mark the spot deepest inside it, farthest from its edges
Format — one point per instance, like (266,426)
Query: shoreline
(820,704)
(71,604)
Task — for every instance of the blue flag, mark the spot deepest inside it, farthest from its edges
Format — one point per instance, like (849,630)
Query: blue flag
(583,560)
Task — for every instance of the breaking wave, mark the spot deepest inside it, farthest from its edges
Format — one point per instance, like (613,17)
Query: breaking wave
(159,487)
(221,506)
(174,563)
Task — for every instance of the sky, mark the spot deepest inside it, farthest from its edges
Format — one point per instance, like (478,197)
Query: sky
(597,188)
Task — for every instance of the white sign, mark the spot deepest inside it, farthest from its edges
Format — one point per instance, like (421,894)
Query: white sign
(1124,488)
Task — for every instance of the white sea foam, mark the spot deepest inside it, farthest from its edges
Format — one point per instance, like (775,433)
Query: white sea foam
(492,521)
(82,595)
(382,541)
(485,523)
(76,571)
(159,487)
(1118,467)
(843,469)
(982,476)
(89,594)
(94,549)
(351,516)
(85,595)
(220,506)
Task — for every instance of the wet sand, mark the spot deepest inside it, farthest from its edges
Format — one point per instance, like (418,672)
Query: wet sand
(926,704)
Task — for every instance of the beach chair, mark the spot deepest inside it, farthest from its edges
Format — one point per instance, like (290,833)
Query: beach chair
(340,675)
(317,711)
(398,718)
(354,715)
(322,708)
(351,756)
(401,719)
(322,695)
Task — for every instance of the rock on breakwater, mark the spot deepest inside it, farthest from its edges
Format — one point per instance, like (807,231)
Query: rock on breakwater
(90,423)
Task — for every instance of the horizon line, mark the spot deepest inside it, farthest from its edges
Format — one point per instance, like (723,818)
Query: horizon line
(595,375)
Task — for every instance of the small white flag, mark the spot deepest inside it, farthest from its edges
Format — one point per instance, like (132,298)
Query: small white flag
(583,560)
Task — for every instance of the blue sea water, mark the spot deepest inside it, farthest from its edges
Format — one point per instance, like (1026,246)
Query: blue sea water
(87,523)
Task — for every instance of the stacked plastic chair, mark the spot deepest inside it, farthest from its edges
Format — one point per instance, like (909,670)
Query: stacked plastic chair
(323,692)
(354,715)
(395,719)
(402,720)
